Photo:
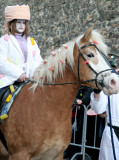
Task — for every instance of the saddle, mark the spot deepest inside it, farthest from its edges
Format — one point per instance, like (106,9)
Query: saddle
(7,96)
(4,94)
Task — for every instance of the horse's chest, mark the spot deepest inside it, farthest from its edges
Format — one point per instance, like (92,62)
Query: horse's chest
(51,152)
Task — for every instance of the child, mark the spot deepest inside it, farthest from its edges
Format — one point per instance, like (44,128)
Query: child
(19,54)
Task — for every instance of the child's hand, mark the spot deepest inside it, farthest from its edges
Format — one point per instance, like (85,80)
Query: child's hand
(23,78)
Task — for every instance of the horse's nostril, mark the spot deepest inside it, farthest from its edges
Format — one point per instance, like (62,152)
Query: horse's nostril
(113,82)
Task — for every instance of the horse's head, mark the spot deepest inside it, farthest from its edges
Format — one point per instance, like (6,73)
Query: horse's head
(93,66)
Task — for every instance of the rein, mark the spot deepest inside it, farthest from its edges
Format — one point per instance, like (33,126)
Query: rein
(54,84)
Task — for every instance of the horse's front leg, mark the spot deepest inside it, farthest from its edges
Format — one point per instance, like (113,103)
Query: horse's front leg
(19,156)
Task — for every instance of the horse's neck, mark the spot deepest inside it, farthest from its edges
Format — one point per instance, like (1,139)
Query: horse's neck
(68,81)
(68,76)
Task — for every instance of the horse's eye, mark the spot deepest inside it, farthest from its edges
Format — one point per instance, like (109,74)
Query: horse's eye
(90,55)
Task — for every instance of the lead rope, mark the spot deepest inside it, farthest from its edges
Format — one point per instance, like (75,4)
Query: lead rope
(110,121)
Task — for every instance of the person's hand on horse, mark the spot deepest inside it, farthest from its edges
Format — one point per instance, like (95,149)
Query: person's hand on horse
(103,115)
(23,78)
(79,102)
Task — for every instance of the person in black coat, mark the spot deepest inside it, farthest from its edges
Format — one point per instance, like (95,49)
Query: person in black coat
(83,95)
(82,98)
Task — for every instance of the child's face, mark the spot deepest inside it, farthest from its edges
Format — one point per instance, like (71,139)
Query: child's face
(20,26)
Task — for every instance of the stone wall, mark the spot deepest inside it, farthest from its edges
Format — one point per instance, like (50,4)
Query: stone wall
(54,22)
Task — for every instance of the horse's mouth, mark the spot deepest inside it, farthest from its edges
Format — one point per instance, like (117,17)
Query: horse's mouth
(111,84)
(110,91)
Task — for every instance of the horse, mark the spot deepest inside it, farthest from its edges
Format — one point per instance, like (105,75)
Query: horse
(39,124)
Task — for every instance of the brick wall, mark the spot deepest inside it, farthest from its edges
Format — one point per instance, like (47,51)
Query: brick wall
(54,22)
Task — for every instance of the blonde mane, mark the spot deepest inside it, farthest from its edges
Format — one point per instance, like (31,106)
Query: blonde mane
(55,63)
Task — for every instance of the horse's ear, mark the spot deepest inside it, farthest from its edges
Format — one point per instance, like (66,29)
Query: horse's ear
(102,32)
(87,35)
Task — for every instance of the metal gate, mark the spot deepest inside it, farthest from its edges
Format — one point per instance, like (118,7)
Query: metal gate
(83,144)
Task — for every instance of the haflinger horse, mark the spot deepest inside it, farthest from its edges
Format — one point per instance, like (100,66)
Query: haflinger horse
(39,122)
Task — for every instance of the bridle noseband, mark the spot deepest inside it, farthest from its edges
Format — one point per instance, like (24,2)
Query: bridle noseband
(97,73)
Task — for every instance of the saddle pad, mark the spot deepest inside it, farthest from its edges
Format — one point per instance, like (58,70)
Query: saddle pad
(3,95)
(5,105)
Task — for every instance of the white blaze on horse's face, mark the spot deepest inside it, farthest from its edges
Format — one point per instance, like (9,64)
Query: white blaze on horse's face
(98,63)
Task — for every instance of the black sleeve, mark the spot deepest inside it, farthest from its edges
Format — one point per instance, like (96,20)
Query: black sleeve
(86,97)
(78,96)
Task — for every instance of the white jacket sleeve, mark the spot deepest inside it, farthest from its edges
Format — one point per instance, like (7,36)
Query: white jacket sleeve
(99,105)
(9,69)
(6,67)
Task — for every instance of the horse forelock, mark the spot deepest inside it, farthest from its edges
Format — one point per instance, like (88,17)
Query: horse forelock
(94,37)
(54,64)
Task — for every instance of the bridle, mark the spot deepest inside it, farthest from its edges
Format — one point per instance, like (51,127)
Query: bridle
(90,80)
(96,73)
